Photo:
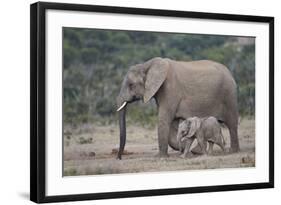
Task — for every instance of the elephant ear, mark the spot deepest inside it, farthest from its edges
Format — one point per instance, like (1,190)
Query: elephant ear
(156,73)
(195,124)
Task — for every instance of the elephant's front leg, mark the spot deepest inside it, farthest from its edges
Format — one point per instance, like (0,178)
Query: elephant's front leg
(188,144)
(210,150)
(163,134)
(203,144)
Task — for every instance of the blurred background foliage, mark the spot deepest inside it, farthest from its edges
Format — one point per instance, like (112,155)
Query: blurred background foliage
(95,62)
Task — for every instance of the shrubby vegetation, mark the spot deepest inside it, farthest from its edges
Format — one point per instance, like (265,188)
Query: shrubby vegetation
(95,62)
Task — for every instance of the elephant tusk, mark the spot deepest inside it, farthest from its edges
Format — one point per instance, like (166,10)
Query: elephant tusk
(121,107)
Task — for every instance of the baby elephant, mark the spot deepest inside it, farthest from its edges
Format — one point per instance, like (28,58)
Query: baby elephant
(204,130)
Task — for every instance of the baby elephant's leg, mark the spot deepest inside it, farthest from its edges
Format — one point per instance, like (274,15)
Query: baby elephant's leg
(211,145)
(181,147)
(221,144)
(188,144)
(203,144)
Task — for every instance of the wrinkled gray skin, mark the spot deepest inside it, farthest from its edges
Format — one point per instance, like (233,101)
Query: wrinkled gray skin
(204,130)
(181,90)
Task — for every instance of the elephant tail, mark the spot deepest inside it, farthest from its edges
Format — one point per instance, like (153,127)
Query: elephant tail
(240,117)
(238,94)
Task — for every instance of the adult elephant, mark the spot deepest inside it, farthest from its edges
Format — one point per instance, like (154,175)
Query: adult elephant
(181,90)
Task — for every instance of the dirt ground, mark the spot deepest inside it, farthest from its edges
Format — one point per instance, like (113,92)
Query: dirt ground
(91,150)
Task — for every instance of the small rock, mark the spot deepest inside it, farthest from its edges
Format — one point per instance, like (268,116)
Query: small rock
(246,160)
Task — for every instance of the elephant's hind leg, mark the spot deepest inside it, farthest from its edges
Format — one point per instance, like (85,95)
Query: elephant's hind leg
(232,124)
(231,121)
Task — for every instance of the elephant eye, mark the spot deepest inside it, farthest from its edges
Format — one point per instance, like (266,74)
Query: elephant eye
(131,86)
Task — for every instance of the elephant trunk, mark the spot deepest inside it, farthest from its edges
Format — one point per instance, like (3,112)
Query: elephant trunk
(122,125)
(122,128)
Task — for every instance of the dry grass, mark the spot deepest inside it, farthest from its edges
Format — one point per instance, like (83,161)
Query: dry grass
(93,151)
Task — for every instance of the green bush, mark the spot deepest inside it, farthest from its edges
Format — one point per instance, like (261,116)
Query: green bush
(96,61)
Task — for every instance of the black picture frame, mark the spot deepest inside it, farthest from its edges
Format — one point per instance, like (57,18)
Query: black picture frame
(38,101)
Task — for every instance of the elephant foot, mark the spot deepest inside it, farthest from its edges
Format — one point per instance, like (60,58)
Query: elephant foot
(182,156)
(223,150)
(197,150)
(161,155)
(188,155)
(234,150)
